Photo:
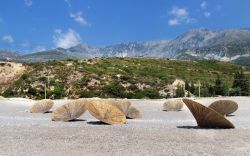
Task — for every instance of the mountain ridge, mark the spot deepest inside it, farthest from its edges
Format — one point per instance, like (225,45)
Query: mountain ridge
(229,45)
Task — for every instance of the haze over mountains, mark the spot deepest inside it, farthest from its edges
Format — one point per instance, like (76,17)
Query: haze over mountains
(231,45)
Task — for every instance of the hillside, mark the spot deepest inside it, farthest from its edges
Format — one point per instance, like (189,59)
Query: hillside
(117,77)
(10,72)
(232,45)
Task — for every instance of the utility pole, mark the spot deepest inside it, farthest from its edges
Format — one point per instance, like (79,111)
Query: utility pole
(199,89)
(45,91)
(45,88)
(48,80)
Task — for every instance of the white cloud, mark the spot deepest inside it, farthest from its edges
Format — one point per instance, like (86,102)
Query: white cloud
(25,44)
(78,18)
(39,48)
(8,39)
(173,22)
(207,14)
(28,3)
(58,31)
(66,40)
(180,16)
(204,5)
(68,3)
(179,12)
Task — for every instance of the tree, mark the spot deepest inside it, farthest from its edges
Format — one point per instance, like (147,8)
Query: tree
(180,91)
(218,88)
(31,90)
(204,92)
(187,87)
(240,84)
(192,87)
(59,91)
(211,90)
(236,82)
(235,91)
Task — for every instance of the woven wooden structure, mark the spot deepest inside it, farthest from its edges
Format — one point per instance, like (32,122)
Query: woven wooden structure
(70,111)
(224,107)
(42,106)
(206,117)
(173,105)
(106,112)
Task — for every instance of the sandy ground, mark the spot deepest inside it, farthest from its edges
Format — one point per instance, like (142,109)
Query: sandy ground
(157,133)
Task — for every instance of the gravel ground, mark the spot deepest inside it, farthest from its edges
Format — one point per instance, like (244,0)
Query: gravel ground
(157,133)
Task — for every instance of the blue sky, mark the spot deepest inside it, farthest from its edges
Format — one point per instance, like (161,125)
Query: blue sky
(35,25)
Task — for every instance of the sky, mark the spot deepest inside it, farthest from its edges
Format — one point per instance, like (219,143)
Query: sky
(35,25)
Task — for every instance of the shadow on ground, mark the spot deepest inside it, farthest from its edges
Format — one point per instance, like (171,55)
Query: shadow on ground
(197,127)
(189,127)
(96,123)
(76,120)
(171,111)
(230,115)
(48,112)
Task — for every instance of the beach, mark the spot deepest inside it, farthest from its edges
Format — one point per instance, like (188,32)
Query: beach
(157,133)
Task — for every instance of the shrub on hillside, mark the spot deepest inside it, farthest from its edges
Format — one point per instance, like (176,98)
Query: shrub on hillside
(42,79)
(219,88)
(8,93)
(114,89)
(86,94)
(31,91)
(241,84)
(180,91)
(149,93)
(59,91)
(235,91)
(24,77)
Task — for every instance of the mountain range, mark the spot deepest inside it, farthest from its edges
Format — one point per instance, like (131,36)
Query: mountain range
(232,45)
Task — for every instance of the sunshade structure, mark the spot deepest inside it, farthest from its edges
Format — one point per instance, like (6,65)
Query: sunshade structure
(133,113)
(206,117)
(224,107)
(126,107)
(42,106)
(122,104)
(70,111)
(105,112)
(173,105)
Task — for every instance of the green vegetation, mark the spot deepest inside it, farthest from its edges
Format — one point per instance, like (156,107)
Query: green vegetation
(114,89)
(8,93)
(180,91)
(240,85)
(127,78)
(218,88)
(59,91)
